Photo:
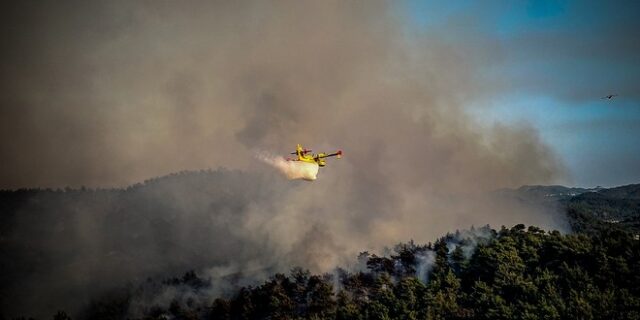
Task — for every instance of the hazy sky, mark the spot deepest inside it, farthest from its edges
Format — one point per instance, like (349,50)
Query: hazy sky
(556,60)
(110,93)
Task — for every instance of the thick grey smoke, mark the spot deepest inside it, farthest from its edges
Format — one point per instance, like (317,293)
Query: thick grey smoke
(110,93)
(425,264)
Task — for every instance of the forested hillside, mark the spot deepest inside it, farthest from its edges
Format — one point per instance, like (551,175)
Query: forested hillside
(61,248)
(617,207)
(52,255)
(516,273)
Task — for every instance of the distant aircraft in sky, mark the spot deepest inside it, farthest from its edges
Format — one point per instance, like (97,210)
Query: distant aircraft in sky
(305,155)
(609,97)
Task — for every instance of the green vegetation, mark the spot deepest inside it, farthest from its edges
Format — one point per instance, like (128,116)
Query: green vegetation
(516,273)
(510,273)
(617,206)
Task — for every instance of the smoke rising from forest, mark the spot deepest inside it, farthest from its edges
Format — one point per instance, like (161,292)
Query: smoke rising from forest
(111,93)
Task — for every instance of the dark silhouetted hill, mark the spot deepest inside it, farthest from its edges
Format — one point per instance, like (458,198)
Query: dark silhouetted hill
(106,254)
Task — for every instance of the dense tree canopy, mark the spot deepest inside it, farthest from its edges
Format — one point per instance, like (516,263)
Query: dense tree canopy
(511,273)
(516,273)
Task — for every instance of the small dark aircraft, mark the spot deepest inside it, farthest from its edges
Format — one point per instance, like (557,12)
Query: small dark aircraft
(609,97)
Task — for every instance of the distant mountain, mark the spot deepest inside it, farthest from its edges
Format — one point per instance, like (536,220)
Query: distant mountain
(630,192)
(619,206)
(554,192)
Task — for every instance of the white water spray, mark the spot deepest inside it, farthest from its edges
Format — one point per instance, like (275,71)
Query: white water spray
(293,170)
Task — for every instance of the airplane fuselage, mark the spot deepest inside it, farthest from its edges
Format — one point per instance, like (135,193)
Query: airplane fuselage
(311,158)
(305,155)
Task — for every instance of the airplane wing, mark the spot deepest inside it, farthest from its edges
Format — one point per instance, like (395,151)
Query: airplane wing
(304,151)
(338,154)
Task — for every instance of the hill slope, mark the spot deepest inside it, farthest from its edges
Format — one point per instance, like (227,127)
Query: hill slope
(512,273)
(618,207)
(60,249)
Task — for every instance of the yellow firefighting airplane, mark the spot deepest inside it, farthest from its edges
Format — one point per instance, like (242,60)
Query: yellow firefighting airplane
(305,155)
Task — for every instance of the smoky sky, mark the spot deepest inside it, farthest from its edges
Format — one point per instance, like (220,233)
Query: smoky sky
(111,93)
